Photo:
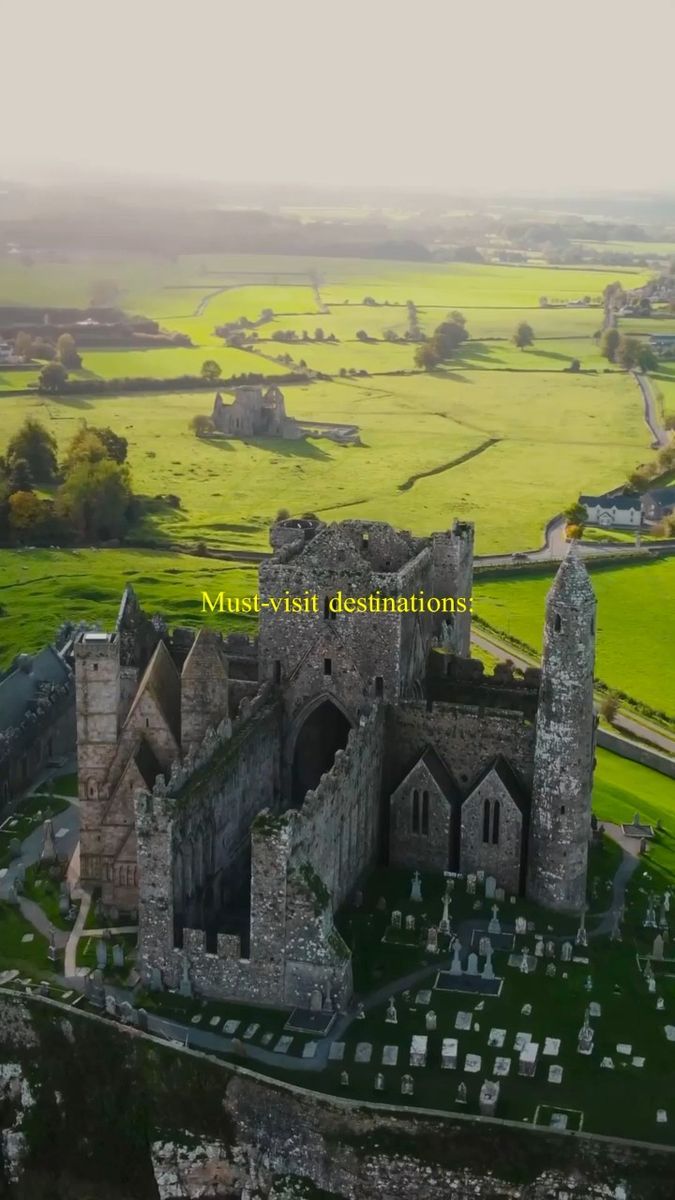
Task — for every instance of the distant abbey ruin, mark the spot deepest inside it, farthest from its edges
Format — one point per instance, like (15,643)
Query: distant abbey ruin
(255,413)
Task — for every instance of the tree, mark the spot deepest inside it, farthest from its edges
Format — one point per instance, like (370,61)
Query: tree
(95,500)
(201,425)
(647,360)
(282,515)
(523,335)
(211,370)
(104,293)
(319,334)
(362,336)
(609,707)
(576,514)
(116,445)
(609,343)
(37,447)
(43,350)
(447,337)
(52,377)
(67,352)
(86,446)
(23,346)
(26,514)
(628,352)
(20,478)
(426,356)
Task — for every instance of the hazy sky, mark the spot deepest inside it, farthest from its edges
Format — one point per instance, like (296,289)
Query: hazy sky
(486,94)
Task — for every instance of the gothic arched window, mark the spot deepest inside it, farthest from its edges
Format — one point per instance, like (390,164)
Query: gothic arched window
(425,813)
(486,821)
(415,811)
(495,823)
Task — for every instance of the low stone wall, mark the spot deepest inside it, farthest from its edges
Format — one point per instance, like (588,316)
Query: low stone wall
(636,752)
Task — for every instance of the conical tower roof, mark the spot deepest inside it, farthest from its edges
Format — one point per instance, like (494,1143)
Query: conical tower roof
(572,584)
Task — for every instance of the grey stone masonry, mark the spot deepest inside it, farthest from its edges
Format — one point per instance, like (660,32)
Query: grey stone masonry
(564,751)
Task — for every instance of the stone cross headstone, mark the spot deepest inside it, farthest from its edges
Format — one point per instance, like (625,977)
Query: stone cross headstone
(494,926)
(445,919)
(456,964)
(524,962)
(416,888)
(488,971)
(391,1016)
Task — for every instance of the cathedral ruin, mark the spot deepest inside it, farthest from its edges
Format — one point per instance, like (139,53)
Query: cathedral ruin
(234,791)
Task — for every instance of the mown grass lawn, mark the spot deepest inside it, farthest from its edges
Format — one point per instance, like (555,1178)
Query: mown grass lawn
(636,622)
(622,788)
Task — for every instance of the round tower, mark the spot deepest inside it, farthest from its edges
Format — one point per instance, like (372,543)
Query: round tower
(560,819)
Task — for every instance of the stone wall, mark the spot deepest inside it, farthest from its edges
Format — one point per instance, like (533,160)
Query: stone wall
(493,834)
(467,738)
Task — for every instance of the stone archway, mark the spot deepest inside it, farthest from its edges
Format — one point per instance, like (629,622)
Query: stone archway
(324,730)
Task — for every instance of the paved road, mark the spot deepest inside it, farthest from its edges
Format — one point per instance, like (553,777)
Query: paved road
(652,418)
(621,722)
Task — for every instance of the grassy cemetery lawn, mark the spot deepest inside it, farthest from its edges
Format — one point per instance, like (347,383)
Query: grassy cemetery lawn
(22,948)
(86,955)
(636,607)
(28,816)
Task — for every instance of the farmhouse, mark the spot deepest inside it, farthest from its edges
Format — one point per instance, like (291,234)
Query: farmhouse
(663,344)
(658,503)
(613,511)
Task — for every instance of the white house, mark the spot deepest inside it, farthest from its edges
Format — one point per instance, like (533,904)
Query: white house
(623,511)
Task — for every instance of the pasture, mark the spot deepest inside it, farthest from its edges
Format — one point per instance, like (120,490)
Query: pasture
(536,441)
(41,589)
(636,622)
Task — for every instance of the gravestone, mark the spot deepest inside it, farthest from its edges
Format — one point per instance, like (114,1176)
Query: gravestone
(539,948)
(416,888)
(483,945)
(101,954)
(500,894)
(410,924)
(464,1020)
(432,940)
(472,1064)
(389,1056)
(657,947)
(502,1067)
(551,1047)
(423,997)
(430,1021)
(490,886)
(521,925)
(550,970)
(581,938)
(550,949)
(379,1082)
(449,1049)
(567,952)
(360,1011)
(494,926)
(555,1073)
(472,964)
(488,1098)
(407,1085)
(471,885)
(336,1051)
(396,919)
(391,1017)
(496,1038)
(488,970)
(418,1050)
(363,1053)
(527,1060)
(456,964)
(344,1079)
(461,1093)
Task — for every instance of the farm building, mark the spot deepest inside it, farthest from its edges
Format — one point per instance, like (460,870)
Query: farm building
(613,511)
(658,503)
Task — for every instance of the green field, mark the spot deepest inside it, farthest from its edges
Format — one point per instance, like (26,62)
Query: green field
(636,623)
(42,588)
(622,788)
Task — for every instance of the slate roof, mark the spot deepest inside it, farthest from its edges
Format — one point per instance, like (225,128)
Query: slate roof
(20,687)
(621,502)
(162,680)
(664,495)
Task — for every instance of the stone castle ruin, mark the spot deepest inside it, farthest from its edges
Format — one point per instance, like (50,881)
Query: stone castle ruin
(255,413)
(236,792)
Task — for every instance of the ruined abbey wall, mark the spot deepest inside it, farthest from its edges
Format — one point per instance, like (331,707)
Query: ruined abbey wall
(466,737)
